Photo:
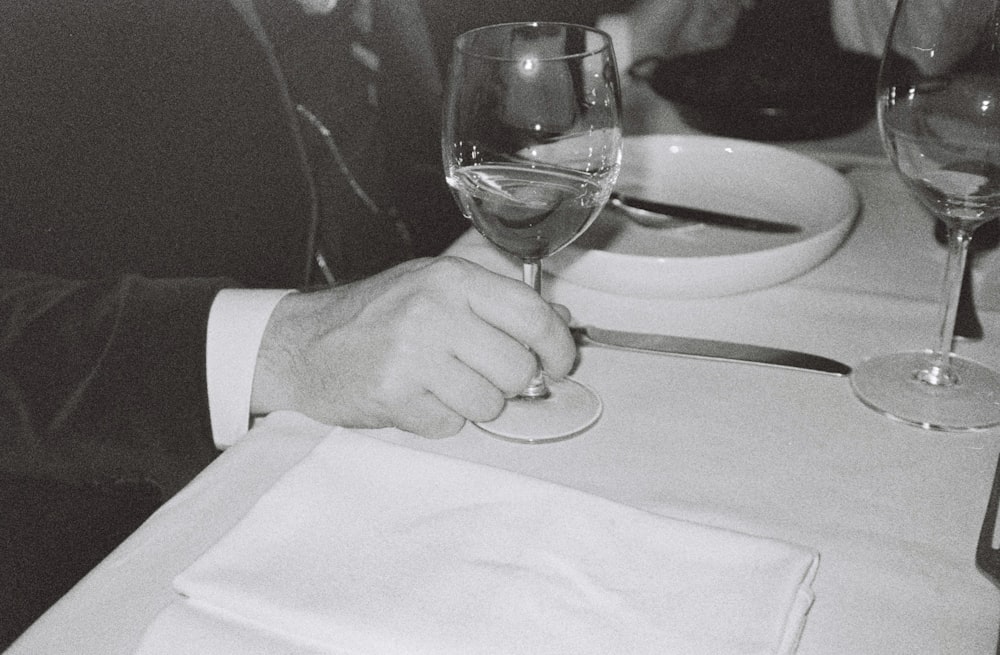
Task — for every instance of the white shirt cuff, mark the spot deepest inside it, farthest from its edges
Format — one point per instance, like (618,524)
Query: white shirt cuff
(236,325)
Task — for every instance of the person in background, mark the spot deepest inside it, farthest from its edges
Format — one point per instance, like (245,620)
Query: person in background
(211,211)
(676,27)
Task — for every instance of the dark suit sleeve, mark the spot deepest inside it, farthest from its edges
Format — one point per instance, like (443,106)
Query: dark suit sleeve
(79,359)
(107,377)
(145,161)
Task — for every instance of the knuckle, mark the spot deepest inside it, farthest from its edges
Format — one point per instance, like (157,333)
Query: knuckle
(489,406)
(521,373)
(525,301)
(552,335)
(417,310)
(446,424)
(448,268)
(425,416)
(510,368)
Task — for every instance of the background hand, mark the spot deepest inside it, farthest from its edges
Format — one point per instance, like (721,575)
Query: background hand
(675,28)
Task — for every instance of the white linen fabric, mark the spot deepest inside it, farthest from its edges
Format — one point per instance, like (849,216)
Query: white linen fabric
(370,547)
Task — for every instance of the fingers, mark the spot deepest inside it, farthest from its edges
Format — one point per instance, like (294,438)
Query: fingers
(511,307)
(503,362)
(432,398)
(428,417)
(466,393)
(563,312)
(519,312)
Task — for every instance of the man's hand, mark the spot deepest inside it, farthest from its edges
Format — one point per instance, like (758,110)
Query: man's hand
(422,347)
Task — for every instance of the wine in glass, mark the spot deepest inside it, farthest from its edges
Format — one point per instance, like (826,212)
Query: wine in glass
(939,117)
(532,144)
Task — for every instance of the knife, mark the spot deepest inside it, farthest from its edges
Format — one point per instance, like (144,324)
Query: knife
(708,349)
(706,216)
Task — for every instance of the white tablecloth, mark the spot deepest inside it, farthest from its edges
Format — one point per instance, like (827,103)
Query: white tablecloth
(894,511)
(376,548)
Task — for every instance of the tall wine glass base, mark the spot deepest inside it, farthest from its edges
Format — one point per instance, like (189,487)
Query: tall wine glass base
(894,386)
(569,409)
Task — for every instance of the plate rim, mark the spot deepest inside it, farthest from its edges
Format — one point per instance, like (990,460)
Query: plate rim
(566,264)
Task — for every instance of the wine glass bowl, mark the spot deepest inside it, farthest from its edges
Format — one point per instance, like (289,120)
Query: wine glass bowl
(938,109)
(531,146)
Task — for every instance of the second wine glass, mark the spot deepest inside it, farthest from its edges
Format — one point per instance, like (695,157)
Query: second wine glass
(532,146)
(939,114)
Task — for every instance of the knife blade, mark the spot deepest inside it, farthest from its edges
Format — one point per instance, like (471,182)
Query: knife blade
(708,349)
(706,216)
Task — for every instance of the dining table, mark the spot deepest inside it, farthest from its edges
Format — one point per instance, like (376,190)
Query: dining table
(893,510)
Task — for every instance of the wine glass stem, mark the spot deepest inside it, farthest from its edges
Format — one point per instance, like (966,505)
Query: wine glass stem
(940,371)
(531,269)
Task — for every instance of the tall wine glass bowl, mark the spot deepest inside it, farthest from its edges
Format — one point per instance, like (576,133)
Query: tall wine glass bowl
(532,146)
(939,117)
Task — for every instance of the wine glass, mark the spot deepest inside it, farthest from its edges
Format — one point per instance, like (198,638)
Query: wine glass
(532,145)
(939,117)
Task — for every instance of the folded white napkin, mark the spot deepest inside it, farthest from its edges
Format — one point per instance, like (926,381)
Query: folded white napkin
(368,547)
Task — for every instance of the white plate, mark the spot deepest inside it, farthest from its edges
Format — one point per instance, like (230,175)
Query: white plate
(729,175)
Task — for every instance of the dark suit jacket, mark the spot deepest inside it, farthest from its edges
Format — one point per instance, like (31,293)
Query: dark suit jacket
(150,156)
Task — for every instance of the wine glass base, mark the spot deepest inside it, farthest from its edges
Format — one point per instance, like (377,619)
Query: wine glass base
(570,409)
(891,385)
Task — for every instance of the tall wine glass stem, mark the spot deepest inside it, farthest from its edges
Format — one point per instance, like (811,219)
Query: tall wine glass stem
(940,372)
(531,270)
